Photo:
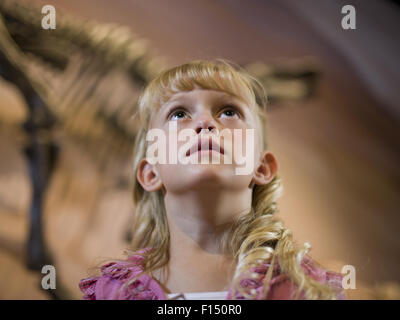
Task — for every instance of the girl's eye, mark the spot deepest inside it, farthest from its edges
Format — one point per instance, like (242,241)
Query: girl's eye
(229,113)
(179,114)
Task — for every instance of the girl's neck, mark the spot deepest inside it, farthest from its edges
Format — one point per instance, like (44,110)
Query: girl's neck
(198,273)
(198,220)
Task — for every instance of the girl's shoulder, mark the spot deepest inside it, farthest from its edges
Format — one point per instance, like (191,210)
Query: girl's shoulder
(318,273)
(281,285)
(117,282)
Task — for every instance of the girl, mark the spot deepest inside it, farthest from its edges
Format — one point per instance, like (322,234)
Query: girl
(201,229)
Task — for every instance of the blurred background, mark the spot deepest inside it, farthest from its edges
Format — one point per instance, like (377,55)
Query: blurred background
(67,97)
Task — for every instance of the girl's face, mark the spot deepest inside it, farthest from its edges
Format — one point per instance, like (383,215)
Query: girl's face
(207,114)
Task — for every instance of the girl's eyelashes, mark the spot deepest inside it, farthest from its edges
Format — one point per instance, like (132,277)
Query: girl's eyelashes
(227,112)
(177,114)
(230,112)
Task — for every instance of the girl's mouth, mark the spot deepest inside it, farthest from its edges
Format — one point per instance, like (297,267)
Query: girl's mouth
(205,145)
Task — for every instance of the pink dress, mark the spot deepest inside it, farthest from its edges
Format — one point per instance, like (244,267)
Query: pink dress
(108,286)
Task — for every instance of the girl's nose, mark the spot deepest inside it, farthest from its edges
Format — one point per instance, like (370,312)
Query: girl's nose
(206,123)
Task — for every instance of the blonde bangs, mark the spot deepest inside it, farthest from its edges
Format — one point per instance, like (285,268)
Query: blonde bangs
(215,74)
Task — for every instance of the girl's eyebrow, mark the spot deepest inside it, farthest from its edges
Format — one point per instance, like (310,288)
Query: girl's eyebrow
(231,98)
(166,107)
(171,101)
(228,98)
(168,104)
(176,98)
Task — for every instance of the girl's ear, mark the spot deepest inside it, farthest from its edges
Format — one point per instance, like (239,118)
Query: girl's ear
(266,169)
(148,176)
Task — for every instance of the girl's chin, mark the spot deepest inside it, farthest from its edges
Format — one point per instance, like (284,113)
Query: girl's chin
(212,174)
(207,179)
(211,170)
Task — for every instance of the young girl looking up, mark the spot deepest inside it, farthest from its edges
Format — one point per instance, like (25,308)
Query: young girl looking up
(203,227)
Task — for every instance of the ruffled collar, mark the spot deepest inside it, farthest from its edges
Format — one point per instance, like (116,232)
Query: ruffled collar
(153,288)
(147,288)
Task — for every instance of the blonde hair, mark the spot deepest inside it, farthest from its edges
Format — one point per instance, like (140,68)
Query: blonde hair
(253,237)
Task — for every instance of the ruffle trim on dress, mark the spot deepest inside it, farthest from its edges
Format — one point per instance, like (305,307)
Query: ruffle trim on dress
(111,285)
(282,287)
